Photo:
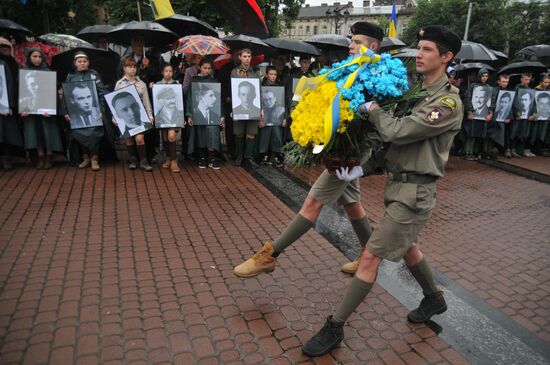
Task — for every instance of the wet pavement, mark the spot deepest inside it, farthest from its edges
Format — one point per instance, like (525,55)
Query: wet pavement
(122,267)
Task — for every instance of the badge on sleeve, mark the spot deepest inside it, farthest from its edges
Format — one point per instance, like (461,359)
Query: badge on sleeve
(434,115)
(450,101)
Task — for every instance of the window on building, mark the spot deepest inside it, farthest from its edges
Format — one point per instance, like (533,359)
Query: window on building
(315,29)
(307,29)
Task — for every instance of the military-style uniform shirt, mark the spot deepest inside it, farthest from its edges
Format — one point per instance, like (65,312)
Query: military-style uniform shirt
(421,141)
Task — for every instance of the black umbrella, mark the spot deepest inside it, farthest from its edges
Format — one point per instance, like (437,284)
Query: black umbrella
(292,46)
(103,61)
(153,34)
(256,45)
(184,25)
(391,44)
(523,66)
(329,40)
(12,28)
(475,52)
(406,53)
(92,33)
(472,66)
(537,50)
(499,54)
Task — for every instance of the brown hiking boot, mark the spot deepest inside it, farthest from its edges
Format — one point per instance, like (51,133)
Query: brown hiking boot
(174,166)
(85,162)
(95,163)
(166,164)
(351,267)
(261,262)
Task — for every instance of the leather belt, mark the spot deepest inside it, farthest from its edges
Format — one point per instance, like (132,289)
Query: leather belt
(411,177)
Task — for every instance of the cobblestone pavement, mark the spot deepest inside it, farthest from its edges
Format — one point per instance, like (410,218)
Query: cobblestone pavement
(127,267)
(489,233)
(539,164)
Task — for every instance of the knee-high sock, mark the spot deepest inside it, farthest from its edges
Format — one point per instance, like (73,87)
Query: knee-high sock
(142,152)
(423,275)
(249,149)
(362,229)
(239,146)
(295,229)
(356,293)
(132,151)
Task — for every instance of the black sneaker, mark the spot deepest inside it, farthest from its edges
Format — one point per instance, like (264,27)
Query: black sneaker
(265,160)
(251,163)
(277,161)
(429,306)
(238,161)
(325,340)
(144,165)
(202,163)
(214,164)
(132,163)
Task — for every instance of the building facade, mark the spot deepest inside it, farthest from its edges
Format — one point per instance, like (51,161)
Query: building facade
(338,17)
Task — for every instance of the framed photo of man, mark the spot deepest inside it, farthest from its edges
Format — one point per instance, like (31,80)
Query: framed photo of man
(168,105)
(525,102)
(505,100)
(542,100)
(4,102)
(245,98)
(273,101)
(206,103)
(82,104)
(481,101)
(128,111)
(37,92)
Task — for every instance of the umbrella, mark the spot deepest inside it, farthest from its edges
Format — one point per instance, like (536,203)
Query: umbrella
(20,51)
(523,66)
(499,54)
(537,50)
(154,34)
(184,25)
(292,46)
(12,28)
(472,66)
(64,40)
(328,41)
(243,41)
(391,44)
(103,61)
(92,33)
(245,16)
(202,44)
(406,53)
(475,51)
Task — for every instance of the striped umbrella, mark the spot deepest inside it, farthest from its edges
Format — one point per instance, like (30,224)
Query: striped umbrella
(201,44)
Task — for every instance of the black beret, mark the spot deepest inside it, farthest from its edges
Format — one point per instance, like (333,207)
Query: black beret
(440,35)
(368,29)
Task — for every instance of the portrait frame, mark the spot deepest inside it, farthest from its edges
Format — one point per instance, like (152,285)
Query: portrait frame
(200,105)
(4,97)
(525,113)
(501,93)
(543,110)
(252,110)
(178,116)
(137,127)
(482,109)
(44,98)
(75,112)
(280,112)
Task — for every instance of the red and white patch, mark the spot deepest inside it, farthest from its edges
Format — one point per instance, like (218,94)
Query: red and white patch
(434,115)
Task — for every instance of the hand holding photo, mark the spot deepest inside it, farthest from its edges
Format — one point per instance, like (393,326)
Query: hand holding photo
(82,104)
(168,105)
(128,111)
(206,103)
(273,98)
(245,98)
(37,92)
(504,105)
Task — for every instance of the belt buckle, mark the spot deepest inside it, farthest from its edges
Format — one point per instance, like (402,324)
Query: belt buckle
(404,177)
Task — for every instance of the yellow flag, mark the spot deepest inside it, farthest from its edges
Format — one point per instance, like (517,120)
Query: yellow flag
(162,9)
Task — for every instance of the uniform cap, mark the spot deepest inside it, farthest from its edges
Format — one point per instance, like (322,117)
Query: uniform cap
(440,35)
(368,29)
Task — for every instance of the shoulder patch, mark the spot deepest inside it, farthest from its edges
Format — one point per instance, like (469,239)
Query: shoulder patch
(450,101)
(434,115)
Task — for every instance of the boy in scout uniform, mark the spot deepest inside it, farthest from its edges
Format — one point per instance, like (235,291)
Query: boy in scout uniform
(419,150)
(327,189)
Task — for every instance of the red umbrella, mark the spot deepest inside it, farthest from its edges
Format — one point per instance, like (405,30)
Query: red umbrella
(201,44)
(20,51)
(245,16)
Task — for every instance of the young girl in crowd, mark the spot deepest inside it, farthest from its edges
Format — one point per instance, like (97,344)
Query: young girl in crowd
(169,135)
(42,132)
(205,139)
(270,138)
(130,78)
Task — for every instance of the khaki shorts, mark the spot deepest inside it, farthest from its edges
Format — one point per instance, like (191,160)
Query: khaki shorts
(328,189)
(242,126)
(408,208)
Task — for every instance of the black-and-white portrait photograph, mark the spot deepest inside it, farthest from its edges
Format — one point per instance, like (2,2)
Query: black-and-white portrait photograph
(168,105)
(273,101)
(82,104)
(206,103)
(526,100)
(505,100)
(245,98)
(542,100)
(4,103)
(294,84)
(128,111)
(37,92)
(481,101)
